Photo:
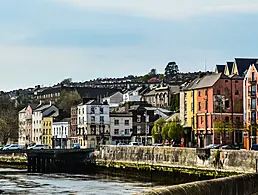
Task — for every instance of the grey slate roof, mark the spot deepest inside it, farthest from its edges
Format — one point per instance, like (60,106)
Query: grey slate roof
(230,66)
(244,63)
(220,68)
(207,81)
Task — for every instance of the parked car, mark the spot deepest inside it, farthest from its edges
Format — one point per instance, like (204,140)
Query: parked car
(76,146)
(121,144)
(38,147)
(135,144)
(12,147)
(156,144)
(230,147)
(254,147)
(213,146)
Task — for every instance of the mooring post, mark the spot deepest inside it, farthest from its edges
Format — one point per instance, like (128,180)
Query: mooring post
(29,167)
(33,164)
(43,165)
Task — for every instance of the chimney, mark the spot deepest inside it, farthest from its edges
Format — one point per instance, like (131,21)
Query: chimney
(126,107)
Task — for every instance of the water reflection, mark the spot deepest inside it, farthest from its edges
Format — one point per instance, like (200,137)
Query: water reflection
(19,182)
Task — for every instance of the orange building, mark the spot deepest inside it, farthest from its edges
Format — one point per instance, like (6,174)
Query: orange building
(217,97)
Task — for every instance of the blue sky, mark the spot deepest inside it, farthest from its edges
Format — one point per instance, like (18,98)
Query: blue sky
(44,41)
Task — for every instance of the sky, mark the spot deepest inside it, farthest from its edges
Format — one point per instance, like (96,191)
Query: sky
(44,41)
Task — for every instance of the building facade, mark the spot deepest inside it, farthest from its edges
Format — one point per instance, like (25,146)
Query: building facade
(25,124)
(37,117)
(210,99)
(73,125)
(93,124)
(143,122)
(47,123)
(121,127)
(250,106)
(60,133)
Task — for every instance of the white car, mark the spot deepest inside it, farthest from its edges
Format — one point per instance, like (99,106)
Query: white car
(12,147)
(135,144)
(37,147)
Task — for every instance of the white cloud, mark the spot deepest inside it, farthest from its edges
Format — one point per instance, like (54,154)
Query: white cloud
(166,8)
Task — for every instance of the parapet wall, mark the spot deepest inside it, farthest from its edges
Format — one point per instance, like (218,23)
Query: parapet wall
(230,160)
(236,185)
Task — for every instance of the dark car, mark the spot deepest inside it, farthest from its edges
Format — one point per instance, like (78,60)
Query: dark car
(230,147)
(254,147)
(76,146)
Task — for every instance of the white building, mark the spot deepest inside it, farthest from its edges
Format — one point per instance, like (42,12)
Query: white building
(60,133)
(37,116)
(133,95)
(93,124)
(121,127)
(25,124)
(114,100)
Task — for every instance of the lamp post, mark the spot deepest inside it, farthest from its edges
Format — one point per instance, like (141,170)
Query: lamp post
(146,125)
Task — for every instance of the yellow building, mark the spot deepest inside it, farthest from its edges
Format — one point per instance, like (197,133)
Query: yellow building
(189,108)
(47,131)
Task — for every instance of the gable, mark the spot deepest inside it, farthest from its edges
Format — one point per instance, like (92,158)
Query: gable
(235,69)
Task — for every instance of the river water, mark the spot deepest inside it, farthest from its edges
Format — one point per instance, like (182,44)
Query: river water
(19,182)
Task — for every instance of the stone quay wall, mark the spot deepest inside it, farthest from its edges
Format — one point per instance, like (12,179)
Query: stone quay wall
(235,185)
(240,161)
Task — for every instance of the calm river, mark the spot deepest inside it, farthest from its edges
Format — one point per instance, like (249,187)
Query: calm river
(19,182)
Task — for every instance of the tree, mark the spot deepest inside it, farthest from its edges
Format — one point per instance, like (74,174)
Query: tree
(157,129)
(176,130)
(161,76)
(8,121)
(67,81)
(146,77)
(68,99)
(174,102)
(153,72)
(171,69)
(223,127)
(164,132)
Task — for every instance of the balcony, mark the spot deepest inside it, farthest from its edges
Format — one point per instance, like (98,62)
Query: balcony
(252,93)
(252,81)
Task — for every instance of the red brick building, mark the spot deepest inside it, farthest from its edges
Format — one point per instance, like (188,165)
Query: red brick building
(218,98)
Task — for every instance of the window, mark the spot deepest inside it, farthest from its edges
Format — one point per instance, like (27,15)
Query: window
(227,104)
(227,134)
(138,118)
(82,110)
(102,119)
(92,119)
(202,120)
(236,92)
(101,110)
(127,131)
(206,105)
(79,111)
(226,119)
(218,92)
(226,81)
(236,81)
(139,129)
(199,93)
(199,106)
(206,92)
(116,122)
(126,122)
(116,131)
(92,110)
(192,106)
